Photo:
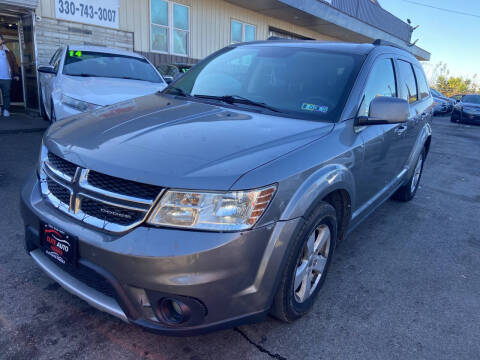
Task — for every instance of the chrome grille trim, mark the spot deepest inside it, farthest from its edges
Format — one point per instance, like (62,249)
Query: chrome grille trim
(57,172)
(80,189)
(84,184)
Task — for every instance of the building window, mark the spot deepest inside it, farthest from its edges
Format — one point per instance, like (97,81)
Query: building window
(170,27)
(279,33)
(241,32)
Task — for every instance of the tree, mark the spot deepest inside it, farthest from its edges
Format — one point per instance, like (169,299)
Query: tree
(440,80)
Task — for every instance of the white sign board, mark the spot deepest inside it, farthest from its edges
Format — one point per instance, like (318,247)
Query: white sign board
(95,12)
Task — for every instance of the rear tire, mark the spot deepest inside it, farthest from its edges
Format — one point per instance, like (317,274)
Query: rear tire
(407,192)
(305,270)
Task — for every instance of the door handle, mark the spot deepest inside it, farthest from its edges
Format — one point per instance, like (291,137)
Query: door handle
(401,129)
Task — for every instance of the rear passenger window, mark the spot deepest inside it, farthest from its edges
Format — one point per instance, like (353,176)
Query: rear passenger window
(423,88)
(381,82)
(407,81)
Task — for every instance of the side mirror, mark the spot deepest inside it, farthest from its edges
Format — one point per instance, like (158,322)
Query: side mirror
(168,79)
(47,69)
(386,110)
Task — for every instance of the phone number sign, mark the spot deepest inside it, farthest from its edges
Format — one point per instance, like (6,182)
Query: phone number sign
(95,12)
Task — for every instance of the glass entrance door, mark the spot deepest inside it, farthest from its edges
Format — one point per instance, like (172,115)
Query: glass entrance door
(26,34)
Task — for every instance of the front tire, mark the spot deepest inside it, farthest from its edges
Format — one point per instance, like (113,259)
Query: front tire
(407,192)
(307,264)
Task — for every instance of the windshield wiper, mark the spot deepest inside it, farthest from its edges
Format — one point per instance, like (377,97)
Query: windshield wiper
(129,78)
(83,75)
(231,99)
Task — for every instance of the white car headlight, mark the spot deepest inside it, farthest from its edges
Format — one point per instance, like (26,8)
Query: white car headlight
(78,104)
(232,211)
(42,157)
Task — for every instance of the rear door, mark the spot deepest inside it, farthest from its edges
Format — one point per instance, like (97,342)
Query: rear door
(418,98)
(425,105)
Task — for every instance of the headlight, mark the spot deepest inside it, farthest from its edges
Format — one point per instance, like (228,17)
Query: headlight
(232,211)
(78,104)
(42,157)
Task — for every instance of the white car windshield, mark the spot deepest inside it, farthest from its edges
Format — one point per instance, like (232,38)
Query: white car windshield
(98,64)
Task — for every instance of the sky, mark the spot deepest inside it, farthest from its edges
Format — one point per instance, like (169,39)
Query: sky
(451,38)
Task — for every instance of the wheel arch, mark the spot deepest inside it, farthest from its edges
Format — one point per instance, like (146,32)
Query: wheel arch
(333,184)
(341,202)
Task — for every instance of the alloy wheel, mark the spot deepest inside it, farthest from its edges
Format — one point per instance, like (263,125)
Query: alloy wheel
(312,262)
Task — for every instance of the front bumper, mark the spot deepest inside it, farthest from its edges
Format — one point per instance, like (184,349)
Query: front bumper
(466,116)
(470,117)
(227,278)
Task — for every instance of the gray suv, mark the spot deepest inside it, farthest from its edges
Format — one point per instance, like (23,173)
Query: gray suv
(222,198)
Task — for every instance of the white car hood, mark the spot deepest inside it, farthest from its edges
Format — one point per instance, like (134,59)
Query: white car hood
(106,91)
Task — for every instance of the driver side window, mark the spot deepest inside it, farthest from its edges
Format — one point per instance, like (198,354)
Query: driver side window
(381,82)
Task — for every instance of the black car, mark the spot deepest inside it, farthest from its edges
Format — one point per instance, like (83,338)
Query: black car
(467,110)
(457,97)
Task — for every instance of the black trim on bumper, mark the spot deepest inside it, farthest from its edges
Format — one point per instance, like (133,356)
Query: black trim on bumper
(200,330)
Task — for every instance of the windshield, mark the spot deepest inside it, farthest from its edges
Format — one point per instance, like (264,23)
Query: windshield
(436,93)
(473,99)
(300,82)
(98,64)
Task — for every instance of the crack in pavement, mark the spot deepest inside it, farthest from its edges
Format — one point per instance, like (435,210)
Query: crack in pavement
(260,347)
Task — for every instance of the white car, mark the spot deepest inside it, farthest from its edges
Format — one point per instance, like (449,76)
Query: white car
(83,78)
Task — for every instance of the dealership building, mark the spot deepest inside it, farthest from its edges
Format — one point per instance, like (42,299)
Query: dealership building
(183,31)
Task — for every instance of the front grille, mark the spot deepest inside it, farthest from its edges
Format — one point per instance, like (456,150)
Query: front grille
(59,191)
(62,165)
(111,214)
(122,186)
(103,201)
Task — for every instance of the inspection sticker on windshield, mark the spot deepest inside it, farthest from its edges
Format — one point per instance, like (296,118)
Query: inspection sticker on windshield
(315,108)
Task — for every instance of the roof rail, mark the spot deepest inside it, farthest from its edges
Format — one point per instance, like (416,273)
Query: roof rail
(276,38)
(380,42)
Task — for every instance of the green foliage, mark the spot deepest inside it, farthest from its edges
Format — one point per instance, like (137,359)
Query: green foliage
(452,85)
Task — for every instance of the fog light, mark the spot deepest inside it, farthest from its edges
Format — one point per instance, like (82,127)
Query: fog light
(174,311)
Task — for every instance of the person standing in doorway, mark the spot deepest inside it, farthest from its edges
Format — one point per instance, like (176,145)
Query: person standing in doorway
(8,69)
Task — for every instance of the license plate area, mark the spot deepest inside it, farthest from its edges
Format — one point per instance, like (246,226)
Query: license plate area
(59,246)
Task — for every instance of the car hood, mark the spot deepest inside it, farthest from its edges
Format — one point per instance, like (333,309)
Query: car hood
(471,105)
(169,142)
(106,91)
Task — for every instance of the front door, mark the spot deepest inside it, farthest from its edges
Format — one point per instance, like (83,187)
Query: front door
(26,34)
(383,144)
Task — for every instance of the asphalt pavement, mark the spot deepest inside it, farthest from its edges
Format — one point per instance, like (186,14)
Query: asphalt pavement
(404,285)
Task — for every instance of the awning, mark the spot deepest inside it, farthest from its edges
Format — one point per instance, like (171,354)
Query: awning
(365,27)
(19,4)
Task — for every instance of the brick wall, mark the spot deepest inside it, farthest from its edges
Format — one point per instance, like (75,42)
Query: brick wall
(52,33)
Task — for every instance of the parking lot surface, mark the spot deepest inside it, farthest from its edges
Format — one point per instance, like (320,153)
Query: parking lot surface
(404,285)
